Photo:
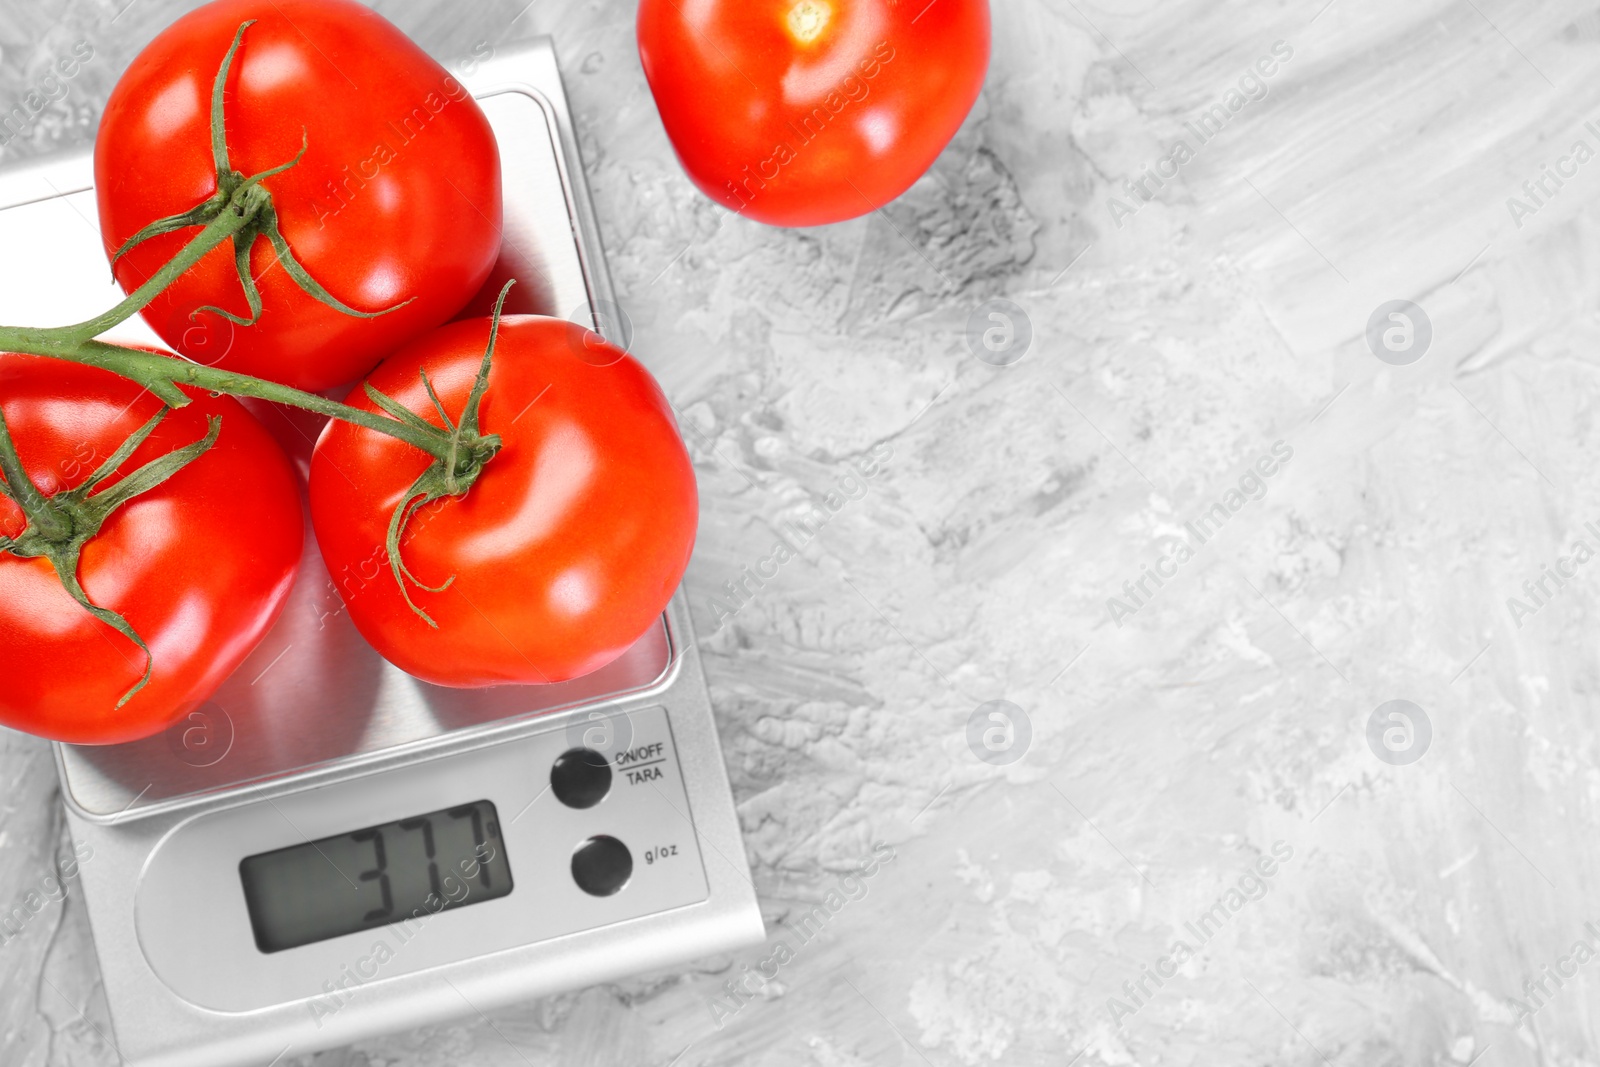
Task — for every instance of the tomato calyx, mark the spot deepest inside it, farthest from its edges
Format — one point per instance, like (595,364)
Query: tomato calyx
(247,197)
(450,475)
(60,525)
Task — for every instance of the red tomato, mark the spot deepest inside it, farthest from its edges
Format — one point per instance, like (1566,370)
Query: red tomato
(199,566)
(800,112)
(566,549)
(397,198)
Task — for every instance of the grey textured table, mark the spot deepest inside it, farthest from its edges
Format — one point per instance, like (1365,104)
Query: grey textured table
(1104,899)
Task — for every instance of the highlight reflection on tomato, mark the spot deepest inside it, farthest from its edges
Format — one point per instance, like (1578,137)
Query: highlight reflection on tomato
(200,566)
(800,112)
(565,550)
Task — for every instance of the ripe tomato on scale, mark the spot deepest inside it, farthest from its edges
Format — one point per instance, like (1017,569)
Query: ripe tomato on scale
(802,112)
(565,550)
(396,203)
(199,566)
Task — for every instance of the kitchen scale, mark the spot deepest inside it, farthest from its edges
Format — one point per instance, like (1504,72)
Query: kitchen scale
(329,849)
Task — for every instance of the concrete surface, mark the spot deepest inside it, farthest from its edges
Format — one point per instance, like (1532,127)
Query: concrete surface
(1426,859)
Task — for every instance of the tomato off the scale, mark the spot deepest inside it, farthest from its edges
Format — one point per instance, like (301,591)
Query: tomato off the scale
(801,112)
(566,549)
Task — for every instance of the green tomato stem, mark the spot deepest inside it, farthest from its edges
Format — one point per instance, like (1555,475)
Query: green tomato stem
(19,488)
(218,230)
(163,374)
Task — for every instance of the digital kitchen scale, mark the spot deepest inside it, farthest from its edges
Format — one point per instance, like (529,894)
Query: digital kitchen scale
(329,849)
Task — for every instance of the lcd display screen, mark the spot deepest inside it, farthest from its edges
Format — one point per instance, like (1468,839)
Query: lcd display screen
(397,871)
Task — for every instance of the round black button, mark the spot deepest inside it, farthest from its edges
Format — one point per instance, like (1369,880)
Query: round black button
(601,866)
(580,778)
